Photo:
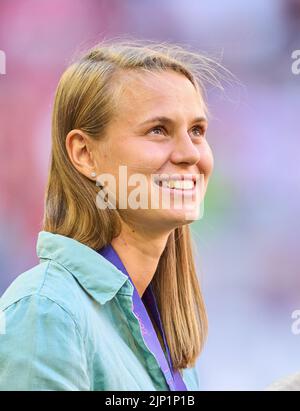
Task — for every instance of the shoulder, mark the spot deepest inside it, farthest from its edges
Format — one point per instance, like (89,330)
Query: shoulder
(42,346)
(45,283)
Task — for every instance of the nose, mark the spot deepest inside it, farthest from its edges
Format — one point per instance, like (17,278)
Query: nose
(185,151)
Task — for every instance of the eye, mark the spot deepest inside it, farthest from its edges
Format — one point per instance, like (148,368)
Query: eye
(201,130)
(159,128)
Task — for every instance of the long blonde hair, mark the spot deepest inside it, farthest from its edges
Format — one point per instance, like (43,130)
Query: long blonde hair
(86,99)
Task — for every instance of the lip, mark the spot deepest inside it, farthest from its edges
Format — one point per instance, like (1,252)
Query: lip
(186,193)
(176,177)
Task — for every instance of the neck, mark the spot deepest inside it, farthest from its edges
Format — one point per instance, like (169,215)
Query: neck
(140,252)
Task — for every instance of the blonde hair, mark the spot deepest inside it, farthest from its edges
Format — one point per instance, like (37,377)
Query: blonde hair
(86,99)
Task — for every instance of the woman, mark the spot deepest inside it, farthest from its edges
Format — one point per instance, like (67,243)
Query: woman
(115,303)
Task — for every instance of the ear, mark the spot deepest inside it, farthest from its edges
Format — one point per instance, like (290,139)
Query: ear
(78,146)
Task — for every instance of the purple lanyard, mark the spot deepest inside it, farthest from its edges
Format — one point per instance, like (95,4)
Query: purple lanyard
(173,378)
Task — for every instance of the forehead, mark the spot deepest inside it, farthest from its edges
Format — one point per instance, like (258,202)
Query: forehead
(162,93)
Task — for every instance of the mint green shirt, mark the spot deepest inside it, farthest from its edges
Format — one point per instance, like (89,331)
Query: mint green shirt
(69,325)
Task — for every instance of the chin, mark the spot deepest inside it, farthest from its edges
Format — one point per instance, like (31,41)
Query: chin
(179,218)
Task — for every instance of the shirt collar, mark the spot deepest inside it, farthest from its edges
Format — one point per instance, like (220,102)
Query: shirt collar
(98,276)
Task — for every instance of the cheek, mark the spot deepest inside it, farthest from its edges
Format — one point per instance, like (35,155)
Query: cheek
(143,156)
(206,162)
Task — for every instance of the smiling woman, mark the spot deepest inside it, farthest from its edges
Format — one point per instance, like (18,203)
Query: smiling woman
(115,302)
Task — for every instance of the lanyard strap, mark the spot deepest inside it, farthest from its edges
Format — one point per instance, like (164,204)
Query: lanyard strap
(173,378)
(150,301)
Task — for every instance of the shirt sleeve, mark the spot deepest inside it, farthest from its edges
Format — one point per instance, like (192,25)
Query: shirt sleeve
(41,348)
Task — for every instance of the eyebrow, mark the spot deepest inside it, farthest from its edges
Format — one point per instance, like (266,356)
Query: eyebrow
(168,120)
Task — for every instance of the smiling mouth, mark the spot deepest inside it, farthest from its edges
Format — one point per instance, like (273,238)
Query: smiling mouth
(181,183)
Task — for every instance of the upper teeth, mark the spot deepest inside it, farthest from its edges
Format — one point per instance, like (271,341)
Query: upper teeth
(179,184)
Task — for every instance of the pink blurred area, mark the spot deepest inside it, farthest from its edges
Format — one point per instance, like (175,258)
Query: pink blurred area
(247,243)
(38,38)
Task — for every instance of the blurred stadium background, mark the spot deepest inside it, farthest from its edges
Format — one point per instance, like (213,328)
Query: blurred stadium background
(248,241)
